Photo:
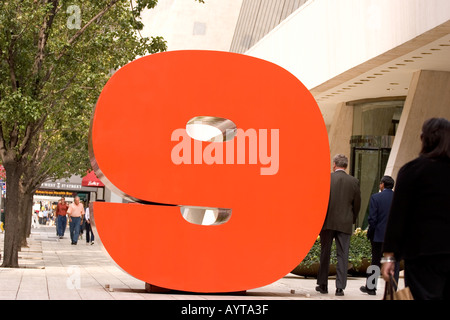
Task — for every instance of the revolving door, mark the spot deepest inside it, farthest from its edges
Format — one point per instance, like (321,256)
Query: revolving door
(369,157)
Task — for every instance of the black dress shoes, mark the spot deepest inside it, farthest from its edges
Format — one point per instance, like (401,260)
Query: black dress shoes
(322,288)
(339,292)
(371,292)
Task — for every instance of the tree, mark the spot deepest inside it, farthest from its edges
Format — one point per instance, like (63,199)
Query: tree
(55,57)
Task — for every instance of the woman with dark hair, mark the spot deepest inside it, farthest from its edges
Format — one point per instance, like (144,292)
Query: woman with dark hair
(419,219)
(436,138)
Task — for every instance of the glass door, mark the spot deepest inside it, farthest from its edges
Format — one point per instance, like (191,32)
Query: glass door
(367,171)
(375,123)
(369,158)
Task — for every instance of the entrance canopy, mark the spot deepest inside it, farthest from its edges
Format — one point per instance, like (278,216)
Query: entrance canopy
(91,180)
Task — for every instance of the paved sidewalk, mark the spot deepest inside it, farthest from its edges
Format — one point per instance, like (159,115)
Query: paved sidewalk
(53,269)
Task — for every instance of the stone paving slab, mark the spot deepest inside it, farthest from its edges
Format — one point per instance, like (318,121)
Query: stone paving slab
(53,269)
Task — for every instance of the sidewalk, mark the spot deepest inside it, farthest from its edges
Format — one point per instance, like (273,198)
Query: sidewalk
(53,269)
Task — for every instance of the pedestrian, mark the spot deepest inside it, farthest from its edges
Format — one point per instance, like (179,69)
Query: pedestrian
(82,224)
(51,218)
(343,208)
(45,216)
(76,213)
(379,206)
(41,216)
(89,233)
(34,219)
(2,220)
(419,219)
(61,217)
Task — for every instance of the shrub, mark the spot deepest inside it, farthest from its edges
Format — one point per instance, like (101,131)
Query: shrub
(360,249)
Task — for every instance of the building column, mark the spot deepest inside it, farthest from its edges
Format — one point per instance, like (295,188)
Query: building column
(428,97)
(341,131)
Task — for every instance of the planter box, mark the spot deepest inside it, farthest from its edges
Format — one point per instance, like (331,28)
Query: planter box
(312,270)
(360,271)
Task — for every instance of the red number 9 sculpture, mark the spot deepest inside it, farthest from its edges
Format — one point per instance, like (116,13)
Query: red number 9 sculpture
(277,189)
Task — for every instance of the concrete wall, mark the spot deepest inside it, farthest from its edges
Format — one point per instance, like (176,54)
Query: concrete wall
(340,132)
(325,38)
(187,24)
(429,97)
(259,17)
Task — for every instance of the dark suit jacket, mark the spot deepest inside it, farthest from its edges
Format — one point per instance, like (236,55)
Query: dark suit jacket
(380,204)
(419,220)
(344,202)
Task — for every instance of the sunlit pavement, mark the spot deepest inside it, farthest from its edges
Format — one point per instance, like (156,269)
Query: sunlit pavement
(53,269)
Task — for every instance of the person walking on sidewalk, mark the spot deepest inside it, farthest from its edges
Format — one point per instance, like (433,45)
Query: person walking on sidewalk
(419,219)
(89,233)
(34,220)
(2,220)
(343,208)
(379,206)
(75,212)
(61,217)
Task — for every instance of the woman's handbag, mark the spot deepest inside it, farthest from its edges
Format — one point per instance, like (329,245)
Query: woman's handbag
(391,294)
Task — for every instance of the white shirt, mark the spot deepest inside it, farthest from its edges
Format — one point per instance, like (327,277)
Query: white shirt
(86,215)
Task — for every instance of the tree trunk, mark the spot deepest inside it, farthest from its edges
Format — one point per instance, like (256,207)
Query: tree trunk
(25,211)
(12,218)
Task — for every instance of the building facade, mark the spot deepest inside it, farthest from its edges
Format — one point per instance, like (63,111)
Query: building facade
(378,70)
(189,25)
(259,17)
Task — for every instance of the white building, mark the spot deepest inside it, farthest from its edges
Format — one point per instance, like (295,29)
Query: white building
(377,69)
(187,24)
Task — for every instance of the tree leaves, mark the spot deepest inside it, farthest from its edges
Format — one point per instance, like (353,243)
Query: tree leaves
(51,75)
(54,63)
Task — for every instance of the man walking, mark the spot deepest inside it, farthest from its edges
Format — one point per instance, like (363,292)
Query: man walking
(343,208)
(75,211)
(89,233)
(61,217)
(379,207)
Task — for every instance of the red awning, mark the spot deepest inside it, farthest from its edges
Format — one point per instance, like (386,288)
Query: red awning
(91,180)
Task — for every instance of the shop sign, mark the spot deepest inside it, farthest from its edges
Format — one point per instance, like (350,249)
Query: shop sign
(59,185)
(54,193)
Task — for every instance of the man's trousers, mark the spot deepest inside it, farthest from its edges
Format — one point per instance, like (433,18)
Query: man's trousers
(342,247)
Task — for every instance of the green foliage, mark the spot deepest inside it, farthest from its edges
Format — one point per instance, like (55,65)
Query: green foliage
(313,255)
(51,76)
(360,249)
(30,111)
(55,58)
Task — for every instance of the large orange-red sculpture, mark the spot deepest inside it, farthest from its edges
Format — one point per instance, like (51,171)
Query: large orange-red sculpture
(276,214)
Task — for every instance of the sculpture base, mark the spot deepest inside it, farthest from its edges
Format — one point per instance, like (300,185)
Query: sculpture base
(151,288)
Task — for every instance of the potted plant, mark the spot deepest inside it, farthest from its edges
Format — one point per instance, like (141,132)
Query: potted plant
(360,253)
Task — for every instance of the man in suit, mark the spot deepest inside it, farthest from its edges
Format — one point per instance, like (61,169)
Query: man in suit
(343,208)
(379,207)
